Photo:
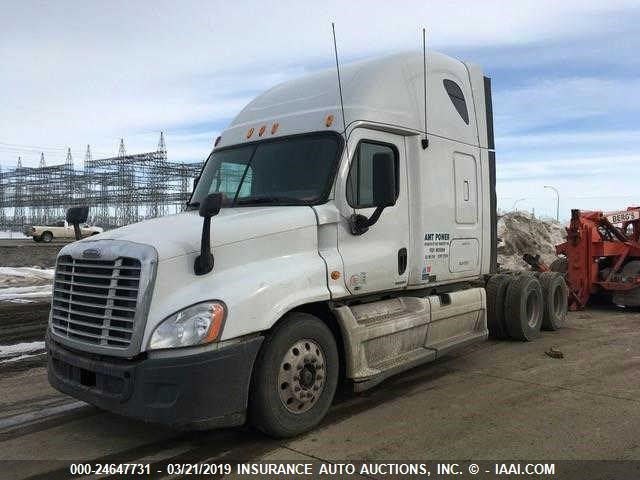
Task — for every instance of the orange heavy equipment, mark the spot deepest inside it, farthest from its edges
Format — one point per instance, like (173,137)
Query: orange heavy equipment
(601,256)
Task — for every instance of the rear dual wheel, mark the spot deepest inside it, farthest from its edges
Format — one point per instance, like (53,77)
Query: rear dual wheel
(519,306)
(555,300)
(524,307)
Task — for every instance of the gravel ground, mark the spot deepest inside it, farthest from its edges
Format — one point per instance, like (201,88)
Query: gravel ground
(494,400)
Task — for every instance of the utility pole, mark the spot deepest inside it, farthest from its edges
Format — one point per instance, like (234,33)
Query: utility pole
(557,201)
(516,203)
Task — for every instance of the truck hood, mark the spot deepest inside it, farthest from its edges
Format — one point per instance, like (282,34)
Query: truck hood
(179,234)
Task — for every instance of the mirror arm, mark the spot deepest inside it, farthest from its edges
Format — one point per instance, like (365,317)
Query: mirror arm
(76,229)
(359,224)
(204,262)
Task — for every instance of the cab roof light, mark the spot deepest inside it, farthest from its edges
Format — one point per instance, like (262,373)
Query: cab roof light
(250,132)
(274,128)
(328,121)
(262,130)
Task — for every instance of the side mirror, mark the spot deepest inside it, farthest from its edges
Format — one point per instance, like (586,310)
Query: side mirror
(209,207)
(384,192)
(76,216)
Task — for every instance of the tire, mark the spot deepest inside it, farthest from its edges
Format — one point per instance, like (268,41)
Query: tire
(555,300)
(47,237)
(303,343)
(496,291)
(523,307)
(37,239)
(560,265)
(629,298)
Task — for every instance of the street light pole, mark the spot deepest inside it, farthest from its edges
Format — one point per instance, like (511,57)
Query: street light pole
(557,201)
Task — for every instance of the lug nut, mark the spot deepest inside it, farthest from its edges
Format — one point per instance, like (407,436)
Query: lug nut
(319,377)
(296,377)
(296,389)
(314,360)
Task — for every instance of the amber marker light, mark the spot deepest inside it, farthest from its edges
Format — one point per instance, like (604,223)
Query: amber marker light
(274,128)
(261,131)
(250,132)
(329,120)
(335,275)
(217,318)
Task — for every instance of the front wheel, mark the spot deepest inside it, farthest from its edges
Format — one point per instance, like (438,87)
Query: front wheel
(295,377)
(47,237)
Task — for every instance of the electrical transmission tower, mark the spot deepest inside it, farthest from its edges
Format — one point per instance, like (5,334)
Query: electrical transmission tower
(119,190)
(18,208)
(121,150)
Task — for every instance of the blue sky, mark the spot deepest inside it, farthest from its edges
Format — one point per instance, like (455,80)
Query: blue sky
(566,77)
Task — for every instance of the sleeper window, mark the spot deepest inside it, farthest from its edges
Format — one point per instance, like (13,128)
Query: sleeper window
(360,179)
(457,98)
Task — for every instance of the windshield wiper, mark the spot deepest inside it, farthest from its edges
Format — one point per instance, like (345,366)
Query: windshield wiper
(269,199)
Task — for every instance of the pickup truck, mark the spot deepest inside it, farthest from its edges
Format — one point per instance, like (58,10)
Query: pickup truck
(61,229)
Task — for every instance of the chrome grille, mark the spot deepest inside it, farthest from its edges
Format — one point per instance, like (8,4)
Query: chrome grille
(95,301)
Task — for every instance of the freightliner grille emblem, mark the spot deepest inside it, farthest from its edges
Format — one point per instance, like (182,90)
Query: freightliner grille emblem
(91,253)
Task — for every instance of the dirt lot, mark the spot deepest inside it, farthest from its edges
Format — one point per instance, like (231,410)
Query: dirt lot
(495,400)
(27,253)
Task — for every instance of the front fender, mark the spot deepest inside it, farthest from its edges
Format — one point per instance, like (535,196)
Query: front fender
(258,279)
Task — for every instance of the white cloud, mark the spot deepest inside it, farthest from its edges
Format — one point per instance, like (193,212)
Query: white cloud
(92,72)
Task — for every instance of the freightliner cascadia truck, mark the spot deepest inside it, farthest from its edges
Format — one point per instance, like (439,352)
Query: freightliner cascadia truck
(331,237)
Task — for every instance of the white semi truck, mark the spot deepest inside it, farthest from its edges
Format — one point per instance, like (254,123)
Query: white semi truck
(315,248)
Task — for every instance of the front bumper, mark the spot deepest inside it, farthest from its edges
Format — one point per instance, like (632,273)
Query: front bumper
(200,391)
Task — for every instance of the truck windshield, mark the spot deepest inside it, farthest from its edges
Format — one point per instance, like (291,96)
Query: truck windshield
(289,171)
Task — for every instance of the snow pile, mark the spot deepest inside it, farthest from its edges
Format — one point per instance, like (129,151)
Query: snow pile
(521,233)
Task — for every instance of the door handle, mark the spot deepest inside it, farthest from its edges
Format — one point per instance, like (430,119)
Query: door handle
(402,261)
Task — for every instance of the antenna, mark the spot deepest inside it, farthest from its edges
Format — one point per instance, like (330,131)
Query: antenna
(335,49)
(425,140)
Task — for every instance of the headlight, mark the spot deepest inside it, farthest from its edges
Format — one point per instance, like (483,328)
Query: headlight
(195,325)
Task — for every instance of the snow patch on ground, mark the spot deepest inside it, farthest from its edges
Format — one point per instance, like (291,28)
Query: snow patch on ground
(20,349)
(9,275)
(20,283)
(22,357)
(521,233)
(22,293)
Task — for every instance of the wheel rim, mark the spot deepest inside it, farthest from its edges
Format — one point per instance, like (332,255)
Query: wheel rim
(301,377)
(532,309)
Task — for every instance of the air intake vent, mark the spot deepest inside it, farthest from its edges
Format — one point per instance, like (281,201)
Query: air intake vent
(95,301)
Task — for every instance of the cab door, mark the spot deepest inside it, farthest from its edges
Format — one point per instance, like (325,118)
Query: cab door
(377,259)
